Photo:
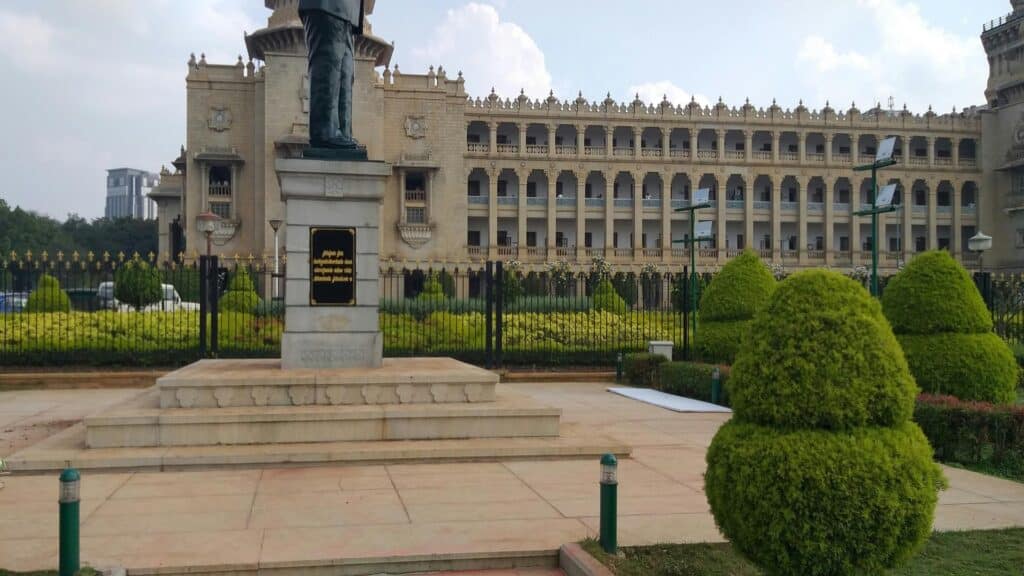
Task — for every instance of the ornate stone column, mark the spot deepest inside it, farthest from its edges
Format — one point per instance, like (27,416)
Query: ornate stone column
(609,213)
(720,134)
(931,151)
(802,226)
(609,145)
(801,138)
(855,149)
(522,138)
(492,213)
(720,209)
(828,149)
(552,176)
(581,215)
(748,211)
(955,145)
(748,136)
(524,177)
(666,215)
(776,191)
(638,213)
(552,128)
(694,133)
(776,144)
(666,144)
(493,135)
(581,134)
(909,247)
(829,215)
(933,225)
(638,137)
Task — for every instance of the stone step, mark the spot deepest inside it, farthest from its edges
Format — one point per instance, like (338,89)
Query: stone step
(509,416)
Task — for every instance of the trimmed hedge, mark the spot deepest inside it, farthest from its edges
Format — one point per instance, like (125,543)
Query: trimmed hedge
(241,295)
(967,366)
(607,299)
(433,290)
(820,471)
(48,297)
(137,284)
(814,502)
(690,380)
(977,434)
(946,331)
(736,294)
(821,355)
(642,369)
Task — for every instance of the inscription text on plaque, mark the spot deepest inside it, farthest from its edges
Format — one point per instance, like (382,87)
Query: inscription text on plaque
(332,266)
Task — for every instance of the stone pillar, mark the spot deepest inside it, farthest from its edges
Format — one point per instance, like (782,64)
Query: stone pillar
(666,216)
(933,228)
(802,196)
(955,151)
(493,127)
(522,138)
(666,144)
(581,134)
(694,132)
(638,213)
(524,176)
(552,220)
(855,151)
(609,141)
(931,151)
(609,214)
(909,247)
(801,139)
(720,204)
(492,213)
(748,210)
(855,241)
(956,245)
(581,216)
(776,218)
(401,195)
(332,194)
(552,128)
(748,148)
(828,150)
(776,144)
(830,217)
(638,137)
(721,144)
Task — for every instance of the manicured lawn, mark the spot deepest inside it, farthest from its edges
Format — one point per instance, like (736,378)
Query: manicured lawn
(976,553)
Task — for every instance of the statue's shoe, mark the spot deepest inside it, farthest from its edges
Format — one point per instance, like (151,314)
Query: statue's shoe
(336,143)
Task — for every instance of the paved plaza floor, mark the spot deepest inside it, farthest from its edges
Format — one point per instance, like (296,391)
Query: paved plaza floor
(249,518)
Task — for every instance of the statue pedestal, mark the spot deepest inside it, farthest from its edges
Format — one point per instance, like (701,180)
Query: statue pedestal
(332,284)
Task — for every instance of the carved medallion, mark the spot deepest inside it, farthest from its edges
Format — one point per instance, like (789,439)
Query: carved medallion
(301,395)
(223,396)
(220,119)
(416,127)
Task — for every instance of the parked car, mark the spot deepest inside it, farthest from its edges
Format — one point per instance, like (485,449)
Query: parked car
(12,301)
(171,301)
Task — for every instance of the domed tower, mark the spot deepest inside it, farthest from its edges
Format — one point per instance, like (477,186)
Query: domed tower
(284,34)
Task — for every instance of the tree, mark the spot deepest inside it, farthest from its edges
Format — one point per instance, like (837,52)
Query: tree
(138,284)
(729,304)
(821,471)
(241,294)
(48,297)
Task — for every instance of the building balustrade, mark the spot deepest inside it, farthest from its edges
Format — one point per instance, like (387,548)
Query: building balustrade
(219,189)
(594,151)
(944,162)
(533,253)
(652,202)
(508,148)
(594,202)
(707,155)
(652,253)
(623,152)
(735,155)
(790,255)
(565,150)
(816,254)
(593,252)
(623,252)
(537,149)
(477,251)
(564,202)
(623,202)
(478,200)
(680,153)
(815,208)
(732,252)
(508,200)
(734,204)
(789,156)
(415,195)
(940,209)
(765,253)
(918,161)
(970,163)
(681,253)
(842,158)
(651,153)
(537,201)
(762,205)
(866,206)
(920,208)
(762,155)
(508,251)
(790,206)
(969,209)
(841,207)
(708,253)
(816,158)
(678,204)
(478,148)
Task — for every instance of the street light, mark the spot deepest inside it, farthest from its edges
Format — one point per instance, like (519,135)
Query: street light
(276,225)
(701,199)
(883,159)
(979,243)
(206,222)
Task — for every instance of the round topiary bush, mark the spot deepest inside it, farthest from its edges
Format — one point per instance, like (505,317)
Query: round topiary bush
(821,470)
(945,329)
(607,299)
(741,289)
(241,295)
(433,290)
(137,284)
(48,297)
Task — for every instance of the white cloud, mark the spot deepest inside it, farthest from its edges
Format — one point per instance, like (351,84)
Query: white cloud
(27,41)
(916,62)
(654,92)
(490,53)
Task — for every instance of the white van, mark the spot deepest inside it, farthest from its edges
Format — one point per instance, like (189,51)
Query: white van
(171,301)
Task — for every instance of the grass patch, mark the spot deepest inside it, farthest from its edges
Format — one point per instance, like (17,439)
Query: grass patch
(975,553)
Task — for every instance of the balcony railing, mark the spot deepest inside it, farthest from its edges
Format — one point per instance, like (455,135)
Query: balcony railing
(679,203)
(652,253)
(651,152)
(790,206)
(594,202)
(508,148)
(508,200)
(765,253)
(478,148)
(565,202)
(816,254)
(681,253)
(537,201)
(945,162)
(968,163)
(815,208)
(623,152)
(969,209)
(707,155)
(841,207)
(920,209)
(594,252)
(679,153)
(533,253)
(735,155)
(477,251)
(762,205)
(565,150)
(708,253)
(816,158)
(594,151)
(508,251)
(478,200)
(415,195)
(623,252)
(842,158)
(761,155)
(790,255)
(652,202)
(917,161)
(537,149)
(940,209)
(734,204)
(623,202)
(789,156)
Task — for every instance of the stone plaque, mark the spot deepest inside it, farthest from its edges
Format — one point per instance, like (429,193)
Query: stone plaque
(332,266)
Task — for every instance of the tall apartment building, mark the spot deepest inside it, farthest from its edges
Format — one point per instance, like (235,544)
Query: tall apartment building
(543,180)
(128,192)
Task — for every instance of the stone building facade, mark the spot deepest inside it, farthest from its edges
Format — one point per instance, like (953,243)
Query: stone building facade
(552,180)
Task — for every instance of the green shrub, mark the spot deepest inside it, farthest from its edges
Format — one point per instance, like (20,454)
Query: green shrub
(815,502)
(607,299)
(137,284)
(269,309)
(946,331)
(690,380)
(48,297)
(821,355)
(968,366)
(642,369)
(433,290)
(820,471)
(741,289)
(935,294)
(977,434)
(241,295)
(185,280)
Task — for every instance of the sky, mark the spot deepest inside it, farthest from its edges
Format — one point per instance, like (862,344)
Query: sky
(90,85)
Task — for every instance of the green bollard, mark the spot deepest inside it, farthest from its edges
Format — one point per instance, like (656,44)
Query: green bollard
(69,521)
(609,503)
(716,386)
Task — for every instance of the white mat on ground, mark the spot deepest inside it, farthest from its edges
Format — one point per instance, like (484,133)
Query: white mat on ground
(669,401)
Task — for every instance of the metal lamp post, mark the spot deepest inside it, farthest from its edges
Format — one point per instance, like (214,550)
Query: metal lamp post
(69,501)
(701,199)
(609,503)
(276,225)
(883,159)
(979,243)
(206,222)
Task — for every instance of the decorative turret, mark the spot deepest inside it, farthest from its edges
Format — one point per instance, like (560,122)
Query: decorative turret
(1001,40)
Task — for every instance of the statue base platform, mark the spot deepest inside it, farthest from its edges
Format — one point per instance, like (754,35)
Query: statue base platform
(357,154)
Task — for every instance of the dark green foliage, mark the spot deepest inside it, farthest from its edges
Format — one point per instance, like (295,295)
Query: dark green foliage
(137,284)
(185,280)
(821,355)
(512,286)
(607,299)
(720,341)
(269,309)
(968,366)
(641,370)
(739,291)
(817,502)
(690,380)
(975,434)
(48,297)
(946,331)
(433,290)
(935,294)
(21,230)
(241,295)
(625,287)
(820,471)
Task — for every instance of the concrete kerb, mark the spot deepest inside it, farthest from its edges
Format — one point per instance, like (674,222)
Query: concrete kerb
(575,561)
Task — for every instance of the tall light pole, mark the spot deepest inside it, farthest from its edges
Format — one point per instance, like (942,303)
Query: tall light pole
(883,159)
(979,243)
(276,225)
(701,199)
(206,223)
